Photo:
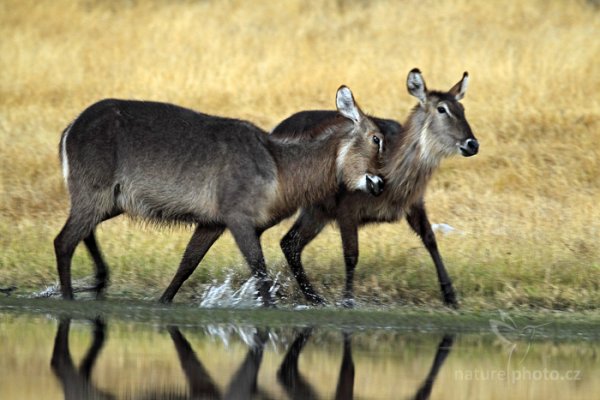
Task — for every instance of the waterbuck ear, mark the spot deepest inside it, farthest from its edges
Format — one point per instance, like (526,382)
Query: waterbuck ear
(459,90)
(346,105)
(416,85)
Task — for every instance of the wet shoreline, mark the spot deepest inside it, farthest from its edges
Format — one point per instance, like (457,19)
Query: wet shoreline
(551,324)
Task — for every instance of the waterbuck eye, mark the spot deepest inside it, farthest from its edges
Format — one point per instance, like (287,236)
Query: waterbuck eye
(441,110)
(376,140)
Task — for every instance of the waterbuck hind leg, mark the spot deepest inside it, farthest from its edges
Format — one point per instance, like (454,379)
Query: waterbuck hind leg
(77,227)
(101,267)
(247,239)
(349,233)
(201,241)
(308,225)
(102,275)
(89,207)
(418,221)
(64,247)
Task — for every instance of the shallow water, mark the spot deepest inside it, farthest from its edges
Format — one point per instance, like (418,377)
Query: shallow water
(52,349)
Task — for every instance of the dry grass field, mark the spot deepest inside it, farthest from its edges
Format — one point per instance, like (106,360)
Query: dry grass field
(526,209)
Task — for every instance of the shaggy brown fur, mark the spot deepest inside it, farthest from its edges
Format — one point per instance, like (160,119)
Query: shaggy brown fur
(435,129)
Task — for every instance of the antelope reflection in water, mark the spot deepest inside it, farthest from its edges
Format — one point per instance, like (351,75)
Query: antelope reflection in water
(297,387)
(77,383)
(243,385)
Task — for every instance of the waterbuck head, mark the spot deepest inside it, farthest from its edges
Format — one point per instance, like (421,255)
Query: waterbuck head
(363,149)
(445,130)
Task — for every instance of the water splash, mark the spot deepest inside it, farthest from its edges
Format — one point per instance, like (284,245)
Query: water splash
(79,286)
(224,296)
(226,333)
(50,291)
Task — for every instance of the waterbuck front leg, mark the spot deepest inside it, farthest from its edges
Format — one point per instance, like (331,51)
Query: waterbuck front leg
(418,221)
(349,233)
(305,229)
(201,241)
(248,240)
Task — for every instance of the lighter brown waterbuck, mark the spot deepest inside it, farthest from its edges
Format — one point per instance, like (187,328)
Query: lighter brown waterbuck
(167,164)
(435,129)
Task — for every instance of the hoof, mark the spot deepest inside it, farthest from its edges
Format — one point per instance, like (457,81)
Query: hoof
(450,300)
(316,300)
(100,290)
(165,300)
(348,303)
(311,296)
(452,304)
(264,293)
(7,291)
(449,295)
(268,303)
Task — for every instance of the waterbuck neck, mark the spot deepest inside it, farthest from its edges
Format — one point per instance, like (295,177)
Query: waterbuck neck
(412,159)
(307,169)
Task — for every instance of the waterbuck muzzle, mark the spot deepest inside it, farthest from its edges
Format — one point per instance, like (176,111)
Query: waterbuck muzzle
(469,147)
(374,184)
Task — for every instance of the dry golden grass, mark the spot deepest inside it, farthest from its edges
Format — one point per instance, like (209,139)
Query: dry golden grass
(526,206)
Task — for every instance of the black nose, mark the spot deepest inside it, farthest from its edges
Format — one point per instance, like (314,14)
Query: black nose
(470,147)
(375,185)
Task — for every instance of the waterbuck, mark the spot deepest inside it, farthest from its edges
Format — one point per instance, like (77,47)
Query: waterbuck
(167,164)
(436,128)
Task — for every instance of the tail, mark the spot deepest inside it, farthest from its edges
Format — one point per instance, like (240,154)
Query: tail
(62,152)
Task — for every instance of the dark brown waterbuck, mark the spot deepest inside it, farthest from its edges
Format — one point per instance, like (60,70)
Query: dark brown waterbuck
(167,164)
(435,129)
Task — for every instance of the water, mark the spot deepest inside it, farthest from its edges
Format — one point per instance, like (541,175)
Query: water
(53,349)
(223,295)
